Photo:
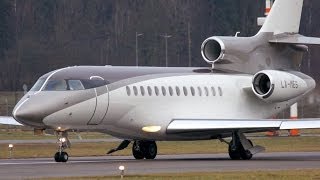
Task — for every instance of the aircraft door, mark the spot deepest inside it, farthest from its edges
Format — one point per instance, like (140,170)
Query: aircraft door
(102,100)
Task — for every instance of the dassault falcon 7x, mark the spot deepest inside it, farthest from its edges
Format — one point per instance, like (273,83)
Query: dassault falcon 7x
(249,80)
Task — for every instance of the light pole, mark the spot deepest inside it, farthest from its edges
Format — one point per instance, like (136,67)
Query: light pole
(137,57)
(166,44)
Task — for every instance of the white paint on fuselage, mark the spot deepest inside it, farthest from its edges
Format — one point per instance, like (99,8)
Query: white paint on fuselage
(128,114)
(132,112)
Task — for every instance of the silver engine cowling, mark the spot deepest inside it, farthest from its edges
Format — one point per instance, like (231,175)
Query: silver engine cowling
(213,50)
(278,86)
(225,49)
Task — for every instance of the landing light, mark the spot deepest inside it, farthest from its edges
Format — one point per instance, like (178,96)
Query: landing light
(151,129)
(62,139)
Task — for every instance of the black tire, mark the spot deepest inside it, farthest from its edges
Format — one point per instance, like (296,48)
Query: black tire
(137,151)
(150,149)
(64,157)
(234,153)
(245,154)
(57,157)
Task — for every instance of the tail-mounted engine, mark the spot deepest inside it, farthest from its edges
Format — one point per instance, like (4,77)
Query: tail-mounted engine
(213,50)
(279,86)
(226,49)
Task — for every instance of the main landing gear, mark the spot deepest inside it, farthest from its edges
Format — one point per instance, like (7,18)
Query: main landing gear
(64,143)
(242,148)
(140,149)
(144,149)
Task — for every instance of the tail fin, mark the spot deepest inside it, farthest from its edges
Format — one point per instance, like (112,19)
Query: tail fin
(284,17)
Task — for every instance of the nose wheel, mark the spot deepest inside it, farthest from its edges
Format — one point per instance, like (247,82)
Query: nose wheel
(64,143)
(144,149)
(61,157)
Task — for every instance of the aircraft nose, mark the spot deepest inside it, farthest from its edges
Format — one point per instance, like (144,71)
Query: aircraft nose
(26,113)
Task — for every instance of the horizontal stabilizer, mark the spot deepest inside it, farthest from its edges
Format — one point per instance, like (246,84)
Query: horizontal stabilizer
(8,120)
(295,39)
(193,125)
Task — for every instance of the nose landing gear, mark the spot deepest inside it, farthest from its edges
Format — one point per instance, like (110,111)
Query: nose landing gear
(64,143)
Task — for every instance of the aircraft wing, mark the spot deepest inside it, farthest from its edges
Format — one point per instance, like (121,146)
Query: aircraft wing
(8,120)
(295,39)
(245,125)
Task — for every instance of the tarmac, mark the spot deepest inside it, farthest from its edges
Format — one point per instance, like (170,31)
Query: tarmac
(108,165)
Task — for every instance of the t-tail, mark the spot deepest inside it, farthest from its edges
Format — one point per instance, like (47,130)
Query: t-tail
(277,46)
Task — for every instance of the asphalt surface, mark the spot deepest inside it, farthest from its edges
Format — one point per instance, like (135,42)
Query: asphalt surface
(108,165)
(112,139)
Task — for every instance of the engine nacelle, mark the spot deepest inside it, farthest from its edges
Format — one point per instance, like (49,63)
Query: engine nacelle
(228,48)
(279,86)
(212,50)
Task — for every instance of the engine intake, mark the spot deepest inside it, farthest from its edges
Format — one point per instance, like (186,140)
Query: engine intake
(212,50)
(262,85)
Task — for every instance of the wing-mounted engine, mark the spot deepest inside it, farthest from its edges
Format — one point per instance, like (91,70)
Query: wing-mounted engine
(279,86)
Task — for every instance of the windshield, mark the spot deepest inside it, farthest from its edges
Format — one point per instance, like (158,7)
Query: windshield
(37,86)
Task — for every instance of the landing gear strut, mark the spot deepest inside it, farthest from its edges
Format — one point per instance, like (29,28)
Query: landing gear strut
(64,143)
(239,147)
(144,149)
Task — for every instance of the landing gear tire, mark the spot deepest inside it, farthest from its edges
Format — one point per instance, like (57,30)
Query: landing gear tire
(150,150)
(245,154)
(137,151)
(234,152)
(61,157)
(144,149)
(237,151)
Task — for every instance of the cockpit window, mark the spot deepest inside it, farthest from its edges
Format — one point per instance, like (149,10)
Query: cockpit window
(72,84)
(37,86)
(93,83)
(75,85)
(56,85)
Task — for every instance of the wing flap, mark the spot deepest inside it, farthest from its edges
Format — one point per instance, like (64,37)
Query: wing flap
(300,124)
(189,125)
(7,120)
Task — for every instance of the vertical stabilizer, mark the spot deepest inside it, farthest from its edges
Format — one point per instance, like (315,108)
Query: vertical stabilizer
(284,17)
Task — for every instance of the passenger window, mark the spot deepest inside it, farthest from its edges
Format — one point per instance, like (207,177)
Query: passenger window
(164,92)
(185,91)
(220,91)
(128,90)
(149,91)
(75,85)
(56,85)
(156,90)
(200,91)
(142,90)
(192,91)
(135,90)
(206,91)
(177,91)
(170,91)
(213,91)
